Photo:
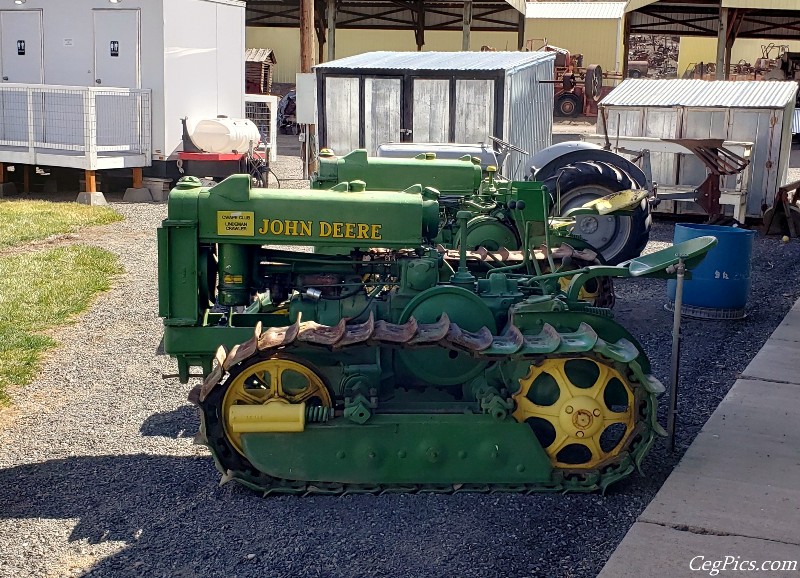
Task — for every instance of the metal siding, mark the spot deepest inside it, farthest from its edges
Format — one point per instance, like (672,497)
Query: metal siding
(623,121)
(342,114)
(662,123)
(754,126)
(530,118)
(796,122)
(381,112)
(728,94)
(474,110)
(600,41)
(575,10)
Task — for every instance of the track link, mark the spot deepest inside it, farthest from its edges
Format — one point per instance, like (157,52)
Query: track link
(548,343)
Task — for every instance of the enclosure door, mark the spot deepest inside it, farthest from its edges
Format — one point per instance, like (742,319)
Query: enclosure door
(342,112)
(431,110)
(116,48)
(21,62)
(21,40)
(474,111)
(382,112)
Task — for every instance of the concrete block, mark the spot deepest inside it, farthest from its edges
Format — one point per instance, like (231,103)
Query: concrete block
(91,199)
(741,475)
(7,190)
(142,195)
(777,360)
(652,550)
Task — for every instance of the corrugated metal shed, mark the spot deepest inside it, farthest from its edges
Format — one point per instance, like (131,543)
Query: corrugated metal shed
(576,10)
(718,94)
(438,60)
(758,112)
(437,97)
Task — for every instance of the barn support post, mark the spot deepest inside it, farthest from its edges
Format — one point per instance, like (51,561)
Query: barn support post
(626,39)
(306,64)
(520,31)
(331,30)
(722,43)
(419,31)
(466,26)
(306,35)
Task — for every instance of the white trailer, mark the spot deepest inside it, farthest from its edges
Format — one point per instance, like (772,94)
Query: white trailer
(99,84)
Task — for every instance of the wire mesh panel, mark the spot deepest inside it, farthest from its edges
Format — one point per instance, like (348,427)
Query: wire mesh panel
(70,120)
(263,112)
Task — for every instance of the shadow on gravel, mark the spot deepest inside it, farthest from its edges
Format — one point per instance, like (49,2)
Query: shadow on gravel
(177,521)
(183,422)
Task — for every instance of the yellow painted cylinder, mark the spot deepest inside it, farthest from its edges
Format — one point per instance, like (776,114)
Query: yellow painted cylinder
(268,418)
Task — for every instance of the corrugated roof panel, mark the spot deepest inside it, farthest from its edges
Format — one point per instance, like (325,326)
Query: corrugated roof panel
(439,60)
(727,94)
(573,10)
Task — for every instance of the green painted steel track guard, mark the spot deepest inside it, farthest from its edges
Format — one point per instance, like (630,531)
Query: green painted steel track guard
(405,449)
(656,264)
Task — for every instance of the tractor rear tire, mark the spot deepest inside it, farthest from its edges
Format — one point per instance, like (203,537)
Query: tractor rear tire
(616,238)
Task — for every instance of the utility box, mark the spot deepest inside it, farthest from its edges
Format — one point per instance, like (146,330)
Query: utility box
(132,69)
(744,111)
(370,99)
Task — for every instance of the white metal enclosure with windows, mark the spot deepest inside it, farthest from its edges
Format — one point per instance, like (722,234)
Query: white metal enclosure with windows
(744,111)
(437,97)
(93,84)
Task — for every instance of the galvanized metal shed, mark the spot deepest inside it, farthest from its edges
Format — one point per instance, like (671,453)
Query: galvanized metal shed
(442,97)
(753,111)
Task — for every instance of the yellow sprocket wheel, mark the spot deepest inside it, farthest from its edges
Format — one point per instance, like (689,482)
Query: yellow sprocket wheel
(580,408)
(278,379)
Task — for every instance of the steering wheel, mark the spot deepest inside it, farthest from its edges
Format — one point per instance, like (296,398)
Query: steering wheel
(507,145)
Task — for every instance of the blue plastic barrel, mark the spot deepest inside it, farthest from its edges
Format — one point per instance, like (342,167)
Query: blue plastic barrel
(721,283)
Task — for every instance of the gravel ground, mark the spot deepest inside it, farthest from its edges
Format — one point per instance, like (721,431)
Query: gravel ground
(99,476)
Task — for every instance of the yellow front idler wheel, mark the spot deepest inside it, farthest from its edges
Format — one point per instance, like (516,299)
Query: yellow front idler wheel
(580,408)
(280,378)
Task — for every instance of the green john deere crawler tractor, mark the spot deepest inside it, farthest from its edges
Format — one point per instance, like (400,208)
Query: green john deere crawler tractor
(380,362)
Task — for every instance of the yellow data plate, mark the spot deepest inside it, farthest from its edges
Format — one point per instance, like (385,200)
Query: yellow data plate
(236,223)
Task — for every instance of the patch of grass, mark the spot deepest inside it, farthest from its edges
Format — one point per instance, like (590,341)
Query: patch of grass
(24,221)
(42,290)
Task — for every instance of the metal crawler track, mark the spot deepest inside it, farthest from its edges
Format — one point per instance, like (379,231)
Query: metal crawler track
(512,344)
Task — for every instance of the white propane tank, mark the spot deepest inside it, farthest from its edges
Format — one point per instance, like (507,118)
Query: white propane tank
(225,135)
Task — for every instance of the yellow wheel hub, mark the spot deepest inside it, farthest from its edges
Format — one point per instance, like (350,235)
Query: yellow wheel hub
(280,379)
(584,294)
(570,403)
